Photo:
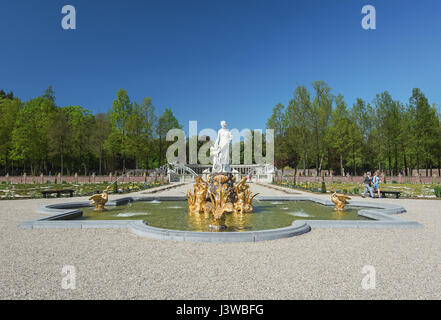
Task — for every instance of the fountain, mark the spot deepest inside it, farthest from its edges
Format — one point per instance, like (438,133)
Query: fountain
(340,201)
(219,195)
(99,200)
(220,209)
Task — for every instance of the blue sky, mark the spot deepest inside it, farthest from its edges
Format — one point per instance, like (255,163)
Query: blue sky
(212,60)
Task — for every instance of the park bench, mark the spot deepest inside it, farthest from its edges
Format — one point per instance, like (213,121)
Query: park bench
(58,192)
(396,193)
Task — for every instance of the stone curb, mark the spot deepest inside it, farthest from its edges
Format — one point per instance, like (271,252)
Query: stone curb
(60,215)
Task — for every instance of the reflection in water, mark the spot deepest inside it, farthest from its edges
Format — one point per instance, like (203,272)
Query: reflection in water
(234,222)
(174,215)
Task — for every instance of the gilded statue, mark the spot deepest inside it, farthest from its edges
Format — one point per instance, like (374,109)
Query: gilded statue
(340,201)
(218,196)
(99,200)
(244,197)
(196,201)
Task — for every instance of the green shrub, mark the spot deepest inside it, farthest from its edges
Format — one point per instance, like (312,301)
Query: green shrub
(394,182)
(115,187)
(323,189)
(437,191)
(356,190)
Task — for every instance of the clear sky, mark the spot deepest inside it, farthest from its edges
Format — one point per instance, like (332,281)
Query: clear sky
(212,60)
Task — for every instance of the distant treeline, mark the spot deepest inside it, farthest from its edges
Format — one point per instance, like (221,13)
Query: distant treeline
(38,136)
(318,130)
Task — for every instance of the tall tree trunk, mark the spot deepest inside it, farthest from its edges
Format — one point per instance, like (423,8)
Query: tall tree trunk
(304,164)
(342,170)
(353,160)
(100,161)
(61,163)
(160,151)
(439,167)
(406,173)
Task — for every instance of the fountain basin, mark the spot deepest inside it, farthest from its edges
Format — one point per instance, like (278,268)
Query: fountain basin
(369,215)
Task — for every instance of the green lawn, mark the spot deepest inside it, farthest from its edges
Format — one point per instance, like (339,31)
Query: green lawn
(33,190)
(407,190)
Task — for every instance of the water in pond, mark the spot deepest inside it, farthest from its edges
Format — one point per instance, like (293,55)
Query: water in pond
(267,215)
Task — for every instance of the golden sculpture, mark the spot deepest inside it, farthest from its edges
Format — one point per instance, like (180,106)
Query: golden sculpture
(99,200)
(218,206)
(244,197)
(340,200)
(219,196)
(196,201)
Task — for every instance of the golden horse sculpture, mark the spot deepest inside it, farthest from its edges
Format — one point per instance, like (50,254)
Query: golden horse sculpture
(215,197)
(99,200)
(340,201)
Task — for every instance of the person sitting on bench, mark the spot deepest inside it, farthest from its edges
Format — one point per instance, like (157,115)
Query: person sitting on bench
(376,183)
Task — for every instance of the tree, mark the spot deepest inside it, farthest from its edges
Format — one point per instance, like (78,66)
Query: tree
(425,128)
(100,134)
(319,113)
(285,153)
(362,138)
(339,133)
(298,127)
(165,123)
(81,122)
(8,96)
(119,118)
(60,135)
(49,94)
(30,134)
(9,109)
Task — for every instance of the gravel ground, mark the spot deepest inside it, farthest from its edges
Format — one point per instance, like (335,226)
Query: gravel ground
(322,264)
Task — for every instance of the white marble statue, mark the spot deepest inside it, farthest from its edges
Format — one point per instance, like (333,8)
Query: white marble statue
(221,149)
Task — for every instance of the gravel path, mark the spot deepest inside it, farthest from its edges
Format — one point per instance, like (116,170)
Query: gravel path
(322,264)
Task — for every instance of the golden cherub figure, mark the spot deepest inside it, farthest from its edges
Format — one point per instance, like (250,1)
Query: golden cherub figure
(340,200)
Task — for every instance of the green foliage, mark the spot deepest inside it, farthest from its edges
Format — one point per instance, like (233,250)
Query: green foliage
(29,136)
(115,187)
(437,191)
(323,188)
(49,94)
(325,133)
(316,129)
(165,123)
